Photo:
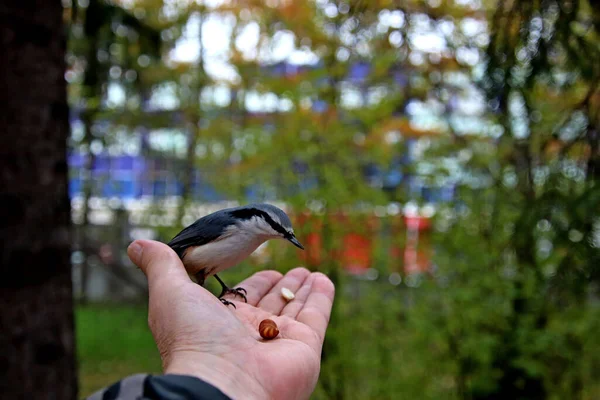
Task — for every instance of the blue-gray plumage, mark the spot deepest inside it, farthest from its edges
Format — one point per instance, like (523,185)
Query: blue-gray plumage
(224,238)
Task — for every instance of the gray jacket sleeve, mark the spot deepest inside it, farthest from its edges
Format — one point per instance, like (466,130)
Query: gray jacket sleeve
(159,387)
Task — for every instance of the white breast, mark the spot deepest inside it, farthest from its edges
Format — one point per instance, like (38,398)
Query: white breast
(222,254)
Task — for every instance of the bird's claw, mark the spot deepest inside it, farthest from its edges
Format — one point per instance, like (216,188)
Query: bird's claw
(235,292)
(228,303)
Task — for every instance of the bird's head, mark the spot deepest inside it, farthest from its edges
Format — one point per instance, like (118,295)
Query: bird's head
(265,220)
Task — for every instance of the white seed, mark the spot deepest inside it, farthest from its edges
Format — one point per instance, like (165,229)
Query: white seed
(287,294)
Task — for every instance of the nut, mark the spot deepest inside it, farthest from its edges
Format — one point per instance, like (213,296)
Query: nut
(287,294)
(268,329)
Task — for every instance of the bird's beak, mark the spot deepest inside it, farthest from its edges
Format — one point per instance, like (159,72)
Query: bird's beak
(295,242)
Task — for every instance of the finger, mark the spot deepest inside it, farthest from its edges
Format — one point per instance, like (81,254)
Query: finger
(293,307)
(317,309)
(273,301)
(158,261)
(257,286)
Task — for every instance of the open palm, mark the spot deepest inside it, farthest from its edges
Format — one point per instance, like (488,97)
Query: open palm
(197,335)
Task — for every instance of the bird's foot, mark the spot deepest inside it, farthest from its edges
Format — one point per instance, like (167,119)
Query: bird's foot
(235,291)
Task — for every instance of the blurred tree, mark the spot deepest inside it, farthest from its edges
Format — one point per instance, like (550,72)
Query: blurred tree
(529,197)
(36,307)
(106,44)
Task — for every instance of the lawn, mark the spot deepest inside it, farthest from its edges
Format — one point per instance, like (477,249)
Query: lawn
(113,341)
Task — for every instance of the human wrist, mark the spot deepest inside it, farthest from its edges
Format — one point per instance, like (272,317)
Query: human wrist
(227,376)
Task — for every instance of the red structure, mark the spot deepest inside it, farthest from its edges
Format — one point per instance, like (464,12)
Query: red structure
(358,235)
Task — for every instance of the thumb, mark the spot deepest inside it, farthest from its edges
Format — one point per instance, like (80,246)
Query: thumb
(158,261)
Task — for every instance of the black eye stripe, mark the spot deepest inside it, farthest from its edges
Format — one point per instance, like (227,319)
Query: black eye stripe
(274,224)
(248,213)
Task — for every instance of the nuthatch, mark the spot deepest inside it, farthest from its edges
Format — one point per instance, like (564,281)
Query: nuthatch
(224,238)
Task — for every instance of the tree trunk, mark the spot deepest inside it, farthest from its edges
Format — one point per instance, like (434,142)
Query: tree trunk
(36,308)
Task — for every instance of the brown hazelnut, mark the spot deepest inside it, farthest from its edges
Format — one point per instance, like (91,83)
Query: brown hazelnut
(268,329)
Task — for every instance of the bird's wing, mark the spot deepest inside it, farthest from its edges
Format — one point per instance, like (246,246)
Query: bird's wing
(205,230)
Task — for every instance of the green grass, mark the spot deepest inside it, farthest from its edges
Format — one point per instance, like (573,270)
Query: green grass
(113,341)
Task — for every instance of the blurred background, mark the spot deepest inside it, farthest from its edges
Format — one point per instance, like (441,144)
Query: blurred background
(440,160)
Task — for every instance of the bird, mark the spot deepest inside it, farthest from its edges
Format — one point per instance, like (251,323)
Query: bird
(222,239)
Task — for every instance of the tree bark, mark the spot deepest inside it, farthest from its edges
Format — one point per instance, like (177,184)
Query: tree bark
(37,347)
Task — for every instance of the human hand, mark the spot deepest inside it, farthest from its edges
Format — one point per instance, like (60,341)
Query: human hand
(197,335)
